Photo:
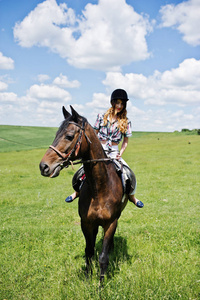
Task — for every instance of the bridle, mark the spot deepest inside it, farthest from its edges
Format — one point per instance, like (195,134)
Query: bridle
(67,157)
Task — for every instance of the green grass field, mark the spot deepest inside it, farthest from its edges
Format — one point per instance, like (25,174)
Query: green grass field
(157,248)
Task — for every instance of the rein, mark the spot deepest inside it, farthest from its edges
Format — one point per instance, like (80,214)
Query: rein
(91,160)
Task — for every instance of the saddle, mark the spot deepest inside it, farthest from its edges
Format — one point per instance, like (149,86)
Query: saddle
(124,172)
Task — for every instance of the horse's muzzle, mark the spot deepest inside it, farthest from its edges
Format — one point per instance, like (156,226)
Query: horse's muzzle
(48,172)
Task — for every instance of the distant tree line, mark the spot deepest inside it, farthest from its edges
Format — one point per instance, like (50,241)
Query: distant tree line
(193,131)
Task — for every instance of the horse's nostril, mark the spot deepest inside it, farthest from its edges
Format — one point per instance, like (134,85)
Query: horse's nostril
(44,169)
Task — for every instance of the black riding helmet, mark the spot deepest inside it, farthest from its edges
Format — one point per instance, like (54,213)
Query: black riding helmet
(119,94)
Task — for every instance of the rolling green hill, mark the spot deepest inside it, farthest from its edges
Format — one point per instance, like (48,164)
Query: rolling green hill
(18,138)
(156,248)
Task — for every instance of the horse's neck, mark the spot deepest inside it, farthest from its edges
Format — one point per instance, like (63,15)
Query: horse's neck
(96,171)
(95,148)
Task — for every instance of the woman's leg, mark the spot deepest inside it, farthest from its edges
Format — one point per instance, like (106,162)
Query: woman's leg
(131,196)
(135,201)
(72,197)
(77,182)
(113,154)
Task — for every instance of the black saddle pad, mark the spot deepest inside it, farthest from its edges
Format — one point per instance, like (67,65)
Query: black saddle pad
(126,174)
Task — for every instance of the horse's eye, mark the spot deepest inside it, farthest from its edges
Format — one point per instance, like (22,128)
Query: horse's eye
(69,137)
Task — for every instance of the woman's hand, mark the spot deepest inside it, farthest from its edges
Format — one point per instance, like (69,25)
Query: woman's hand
(118,156)
(124,145)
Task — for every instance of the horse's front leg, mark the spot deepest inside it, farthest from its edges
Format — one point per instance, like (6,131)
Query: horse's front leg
(109,232)
(90,232)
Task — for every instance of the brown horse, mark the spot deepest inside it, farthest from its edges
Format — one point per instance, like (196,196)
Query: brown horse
(101,199)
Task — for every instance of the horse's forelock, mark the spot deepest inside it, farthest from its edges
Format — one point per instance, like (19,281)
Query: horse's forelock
(64,125)
(61,129)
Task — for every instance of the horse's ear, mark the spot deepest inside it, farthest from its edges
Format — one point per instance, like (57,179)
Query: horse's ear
(66,113)
(75,115)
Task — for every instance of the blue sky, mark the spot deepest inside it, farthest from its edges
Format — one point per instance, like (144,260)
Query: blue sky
(76,52)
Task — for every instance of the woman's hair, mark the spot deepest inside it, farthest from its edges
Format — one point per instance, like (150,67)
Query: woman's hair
(121,118)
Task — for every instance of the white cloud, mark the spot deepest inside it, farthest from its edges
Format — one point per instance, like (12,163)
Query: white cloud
(186,76)
(99,100)
(148,118)
(180,86)
(161,92)
(162,119)
(8,97)
(102,38)
(3,86)
(184,16)
(99,104)
(38,96)
(49,92)
(39,104)
(6,63)
(42,25)
(63,82)
(43,77)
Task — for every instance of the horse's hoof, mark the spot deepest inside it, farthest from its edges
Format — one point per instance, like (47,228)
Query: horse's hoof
(69,199)
(139,204)
(101,282)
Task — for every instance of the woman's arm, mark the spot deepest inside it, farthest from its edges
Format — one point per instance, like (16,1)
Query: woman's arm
(123,147)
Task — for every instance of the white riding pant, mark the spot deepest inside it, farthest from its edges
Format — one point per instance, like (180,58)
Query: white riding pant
(112,154)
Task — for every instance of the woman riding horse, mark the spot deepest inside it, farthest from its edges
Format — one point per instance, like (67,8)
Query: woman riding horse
(101,198)
(111,127)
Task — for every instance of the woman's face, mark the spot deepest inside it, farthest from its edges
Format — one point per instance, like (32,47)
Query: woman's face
(119,106)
